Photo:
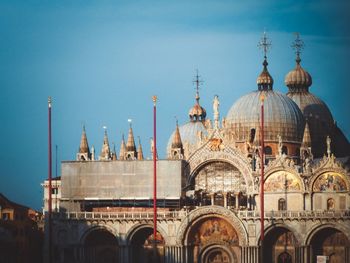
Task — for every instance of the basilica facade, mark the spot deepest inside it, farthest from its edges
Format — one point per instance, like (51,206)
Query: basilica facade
(208,192)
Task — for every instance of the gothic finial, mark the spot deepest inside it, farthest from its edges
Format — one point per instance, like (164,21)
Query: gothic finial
(298,46)
(264,44)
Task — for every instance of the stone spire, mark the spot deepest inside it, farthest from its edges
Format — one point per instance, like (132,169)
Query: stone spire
(177,150)
(114,153)
(122,151)
(139,151)
(84,150)
(306,137)
(131,153)
(305,149)
(106,151)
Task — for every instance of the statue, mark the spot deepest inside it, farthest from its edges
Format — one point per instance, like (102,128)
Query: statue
(279,145)
(216,104)
(328,141)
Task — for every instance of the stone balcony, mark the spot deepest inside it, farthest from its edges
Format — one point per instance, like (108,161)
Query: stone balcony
(180,214)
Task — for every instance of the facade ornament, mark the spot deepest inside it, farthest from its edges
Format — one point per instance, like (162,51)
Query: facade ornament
(279,145)
(216,144)
(328,141)
(216,104)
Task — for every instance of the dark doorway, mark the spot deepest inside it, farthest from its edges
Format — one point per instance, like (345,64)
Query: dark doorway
(143,250)
(101,246)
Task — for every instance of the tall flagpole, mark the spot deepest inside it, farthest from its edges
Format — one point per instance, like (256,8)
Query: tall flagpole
(50,185)
(154,98)
(262,98)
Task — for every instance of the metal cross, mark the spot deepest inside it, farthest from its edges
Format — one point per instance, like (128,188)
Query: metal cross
(264,44)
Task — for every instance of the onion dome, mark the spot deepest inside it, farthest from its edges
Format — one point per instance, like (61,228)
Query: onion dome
(298,79)
(197,112)
(265,81)
(84,146)
(319,117)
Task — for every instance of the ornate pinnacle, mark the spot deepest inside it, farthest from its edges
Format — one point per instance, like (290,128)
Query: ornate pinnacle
(264,44)
(197,81)
(298,46)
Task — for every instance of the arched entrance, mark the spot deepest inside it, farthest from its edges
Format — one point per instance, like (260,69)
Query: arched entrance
(217,255)
(213,240)
(143,249)
(332,243)
(101,246)
(279,246)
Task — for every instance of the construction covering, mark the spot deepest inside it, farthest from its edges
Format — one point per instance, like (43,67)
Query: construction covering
(106,180)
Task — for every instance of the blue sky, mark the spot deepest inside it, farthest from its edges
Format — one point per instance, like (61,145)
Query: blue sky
(101,61)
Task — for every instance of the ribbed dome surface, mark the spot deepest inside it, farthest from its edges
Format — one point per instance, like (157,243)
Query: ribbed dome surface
(189,133)
(298,79)
(197,112)
(281,117)
(318,116)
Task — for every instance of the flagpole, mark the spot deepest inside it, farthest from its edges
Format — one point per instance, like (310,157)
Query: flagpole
(262,98)
(50,184)
(154,98)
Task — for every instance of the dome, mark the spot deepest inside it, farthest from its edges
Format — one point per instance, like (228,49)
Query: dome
(197,112)
(298,79)
(189,133)
(282,116)
(318,116)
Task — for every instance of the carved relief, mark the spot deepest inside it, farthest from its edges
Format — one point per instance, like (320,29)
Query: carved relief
(216,144)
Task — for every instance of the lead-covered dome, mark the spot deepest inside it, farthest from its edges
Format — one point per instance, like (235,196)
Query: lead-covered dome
(282,117)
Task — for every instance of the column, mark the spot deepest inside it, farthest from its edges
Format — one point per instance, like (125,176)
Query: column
(225,199)
(212,199)
(237,201)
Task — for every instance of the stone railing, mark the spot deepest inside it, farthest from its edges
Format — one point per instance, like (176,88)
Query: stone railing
(129,215)
(307,214)
(180,214)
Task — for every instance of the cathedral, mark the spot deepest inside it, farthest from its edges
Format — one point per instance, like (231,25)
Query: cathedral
(284,149)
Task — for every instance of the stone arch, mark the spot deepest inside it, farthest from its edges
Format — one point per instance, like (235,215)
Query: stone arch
(211,249)
(270,228)
(205,155)
(207,212)
(135,228)
(280,241)
(330,241)
(107,228)
(140,241)
(309,236)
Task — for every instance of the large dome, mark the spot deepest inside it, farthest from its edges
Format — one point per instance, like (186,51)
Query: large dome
(282,116)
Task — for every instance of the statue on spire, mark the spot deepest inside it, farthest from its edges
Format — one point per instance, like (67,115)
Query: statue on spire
(216,104)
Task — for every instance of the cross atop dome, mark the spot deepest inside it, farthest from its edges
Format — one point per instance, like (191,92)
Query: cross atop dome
(198,82)
(265,44)
(298,46)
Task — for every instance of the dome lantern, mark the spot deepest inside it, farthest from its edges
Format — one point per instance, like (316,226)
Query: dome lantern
(197,112)
(265,80)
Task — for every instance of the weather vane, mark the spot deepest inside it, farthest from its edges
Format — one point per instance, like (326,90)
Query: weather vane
(197,81)
(298,45)
(264,44)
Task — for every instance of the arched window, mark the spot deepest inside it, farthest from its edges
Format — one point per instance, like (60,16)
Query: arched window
(282,205)
(285,150)
(268,150)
